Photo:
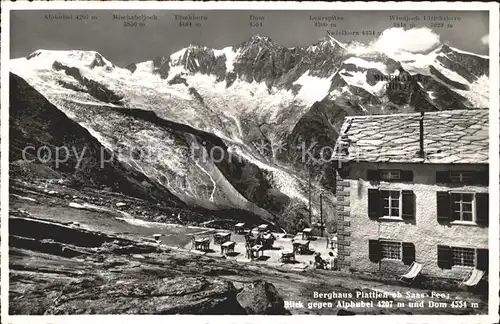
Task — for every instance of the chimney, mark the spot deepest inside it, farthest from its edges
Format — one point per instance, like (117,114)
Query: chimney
(421,152)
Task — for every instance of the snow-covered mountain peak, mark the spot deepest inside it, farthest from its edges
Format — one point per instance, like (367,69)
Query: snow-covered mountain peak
(447,49)
(176,56)
(257,39)
(76,58)
(333,42)
(260,44)
(327,43)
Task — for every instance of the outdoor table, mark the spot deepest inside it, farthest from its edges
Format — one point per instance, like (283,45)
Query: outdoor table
(287,256)
(221,237)
(256,249)
(202,243)
(263,227)
(301,246)
(239,228)
(306,233)
(228,247)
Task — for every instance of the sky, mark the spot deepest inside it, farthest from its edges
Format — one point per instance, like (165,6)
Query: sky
(30,31)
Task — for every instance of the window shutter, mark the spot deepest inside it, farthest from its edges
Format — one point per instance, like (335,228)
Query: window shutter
(408,253)
(374,251)
(443,177)
(443,207)
(408,204)
(406,175)
(444,256)
(482,208)
(482,259)
(373,175)
(374,203)
(481,177)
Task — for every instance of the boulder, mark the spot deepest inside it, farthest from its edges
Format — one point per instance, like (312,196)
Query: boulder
(345,312)
(181,295)
(262,298)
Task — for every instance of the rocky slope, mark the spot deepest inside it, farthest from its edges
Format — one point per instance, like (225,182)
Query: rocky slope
(36,123)
(115,275)
(61,269)
(258,104)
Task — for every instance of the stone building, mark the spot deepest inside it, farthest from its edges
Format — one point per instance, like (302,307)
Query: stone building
(413,187)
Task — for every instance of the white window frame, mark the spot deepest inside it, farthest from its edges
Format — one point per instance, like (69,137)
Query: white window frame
(461,176)
(390,175)
(473,206)
(474,257)
(400,202)
(400,257)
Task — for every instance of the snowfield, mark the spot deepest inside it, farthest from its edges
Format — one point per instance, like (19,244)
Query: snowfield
(312,88)
(358,79)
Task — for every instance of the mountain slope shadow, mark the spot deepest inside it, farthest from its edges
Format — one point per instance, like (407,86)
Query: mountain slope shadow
(39,131)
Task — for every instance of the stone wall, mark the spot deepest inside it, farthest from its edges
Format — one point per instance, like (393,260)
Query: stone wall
(343,222)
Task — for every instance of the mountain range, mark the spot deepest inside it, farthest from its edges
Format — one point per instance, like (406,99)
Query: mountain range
(253,108)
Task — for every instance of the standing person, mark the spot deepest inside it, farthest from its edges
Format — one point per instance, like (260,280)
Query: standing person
(248,248)
(327,241)
(332,261)
(334,242)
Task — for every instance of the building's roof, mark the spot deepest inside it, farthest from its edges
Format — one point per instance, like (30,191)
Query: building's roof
(451,136)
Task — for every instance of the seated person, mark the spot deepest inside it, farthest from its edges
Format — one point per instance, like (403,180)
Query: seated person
(332,261)
(259,239)
(249,238)
(319,262)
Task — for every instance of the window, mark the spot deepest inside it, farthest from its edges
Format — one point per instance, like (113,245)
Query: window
(461,176)
(463,256)
(391,250)
(454,207)
(462,207)
(391,202)
(390,175)
(450,256)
